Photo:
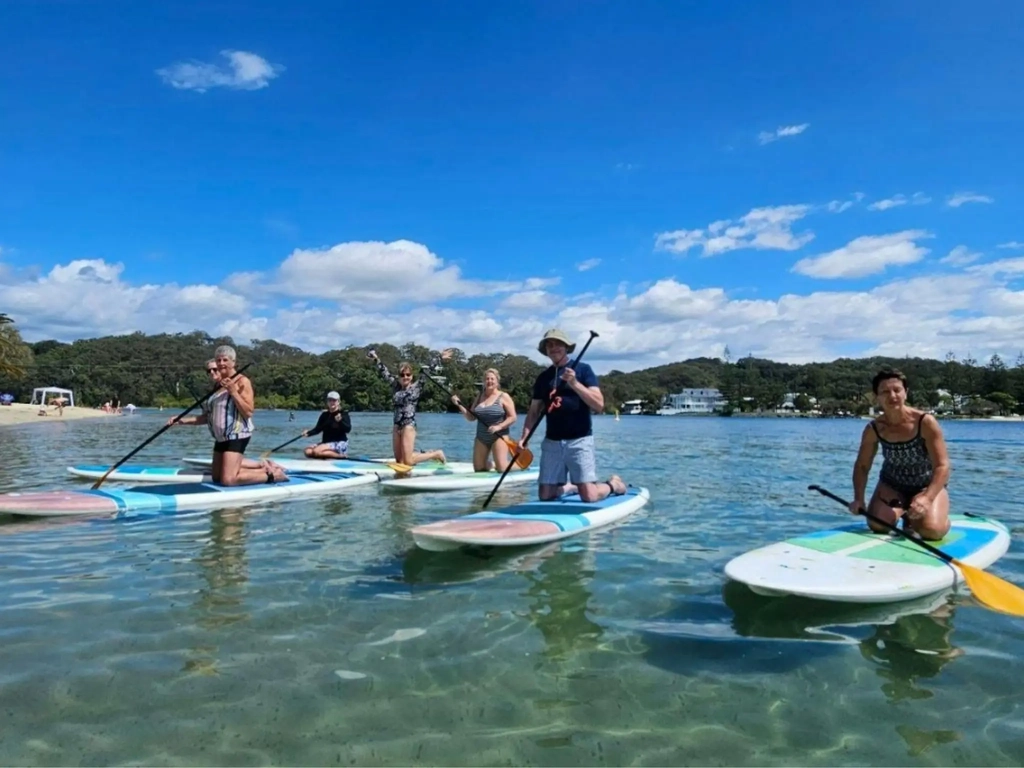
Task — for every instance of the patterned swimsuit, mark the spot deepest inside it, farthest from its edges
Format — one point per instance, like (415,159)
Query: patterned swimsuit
(486,416)
(906,466)
(224,420)
(407,399)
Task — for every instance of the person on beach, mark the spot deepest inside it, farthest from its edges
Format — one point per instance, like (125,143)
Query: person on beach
(228,414)
(915,463)
(572,391)
(334,424)
(406,397)
(494,412)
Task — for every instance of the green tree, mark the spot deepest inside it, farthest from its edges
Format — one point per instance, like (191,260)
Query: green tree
(15,355)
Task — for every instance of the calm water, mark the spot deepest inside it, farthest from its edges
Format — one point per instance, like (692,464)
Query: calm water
(315,633)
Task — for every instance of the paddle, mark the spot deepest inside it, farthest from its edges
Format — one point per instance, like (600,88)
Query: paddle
(396,466)
(522,458)
(989,589)
(551,406)
(167,426)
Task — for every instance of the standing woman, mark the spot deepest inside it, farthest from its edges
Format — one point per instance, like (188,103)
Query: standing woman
(494,412)
(228,414)
(915,464)
(406,397)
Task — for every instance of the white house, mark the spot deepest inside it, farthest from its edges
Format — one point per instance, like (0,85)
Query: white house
(692,401)
(633,407)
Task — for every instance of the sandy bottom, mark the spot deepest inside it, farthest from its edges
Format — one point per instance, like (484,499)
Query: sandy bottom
(20,413)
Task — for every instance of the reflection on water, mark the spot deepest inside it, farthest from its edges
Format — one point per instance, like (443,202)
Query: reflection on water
(315,632)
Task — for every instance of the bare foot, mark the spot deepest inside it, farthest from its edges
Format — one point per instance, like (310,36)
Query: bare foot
(568,489)
(618,487)
(439,456)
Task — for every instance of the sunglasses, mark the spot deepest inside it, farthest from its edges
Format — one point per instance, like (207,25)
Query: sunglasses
(211,370)
(405,375)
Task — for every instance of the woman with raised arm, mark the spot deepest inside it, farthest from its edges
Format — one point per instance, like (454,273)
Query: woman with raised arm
(406,398)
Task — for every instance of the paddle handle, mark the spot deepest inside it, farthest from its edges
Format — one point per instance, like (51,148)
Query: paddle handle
(165,427)
(494,490)
(937,552)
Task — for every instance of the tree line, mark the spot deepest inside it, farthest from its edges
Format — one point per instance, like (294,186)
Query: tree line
(168,370)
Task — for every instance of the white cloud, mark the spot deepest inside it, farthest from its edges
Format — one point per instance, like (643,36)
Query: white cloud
(1012,244)
(244,71)
(640,325)
(767,137)
(376,275)
(918,198)
(837,206)
(958,199)
(767,228)
(583,266)
(866,255)
(960,256)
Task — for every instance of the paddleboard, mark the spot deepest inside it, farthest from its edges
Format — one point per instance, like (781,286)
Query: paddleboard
(311,466)
(141,474)
(172,497)
(535,522)
(853,565)
(440,483)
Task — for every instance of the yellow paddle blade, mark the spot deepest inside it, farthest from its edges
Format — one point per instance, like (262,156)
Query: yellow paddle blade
(522,458)
(400,468)
(994,592)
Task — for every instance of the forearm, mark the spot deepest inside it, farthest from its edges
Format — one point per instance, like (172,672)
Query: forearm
(532,417)
(467,414)
(592,397)
(940,477)
(860,481)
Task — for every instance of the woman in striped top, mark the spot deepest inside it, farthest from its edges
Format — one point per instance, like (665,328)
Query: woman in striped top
(228,414)
(494,412)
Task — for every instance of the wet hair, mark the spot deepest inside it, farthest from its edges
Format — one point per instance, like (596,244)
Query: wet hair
(225,351)
(884,375)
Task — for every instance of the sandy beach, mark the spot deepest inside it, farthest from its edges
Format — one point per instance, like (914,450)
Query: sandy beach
(20,413)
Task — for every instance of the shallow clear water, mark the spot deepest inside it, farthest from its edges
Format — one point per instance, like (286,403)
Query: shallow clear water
(315,633)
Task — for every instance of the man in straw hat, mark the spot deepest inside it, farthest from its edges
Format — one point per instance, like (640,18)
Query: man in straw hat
(567,452)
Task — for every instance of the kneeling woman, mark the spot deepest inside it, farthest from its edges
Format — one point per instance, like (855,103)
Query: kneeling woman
(228,414)
(915,466)
(406,397)
(494,412)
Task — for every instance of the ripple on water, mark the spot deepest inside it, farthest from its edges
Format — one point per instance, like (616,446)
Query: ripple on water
(314,632)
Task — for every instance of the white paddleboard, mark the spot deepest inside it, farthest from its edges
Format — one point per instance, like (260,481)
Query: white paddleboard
(535,522)
(371,467)
(172,497)
(141,474)
(440,483)
(853,565)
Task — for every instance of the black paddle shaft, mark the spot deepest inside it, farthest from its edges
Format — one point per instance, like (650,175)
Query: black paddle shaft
(937,552)
(167,426)
(551,396)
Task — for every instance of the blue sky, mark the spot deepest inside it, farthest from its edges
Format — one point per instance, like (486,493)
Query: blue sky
(793,180)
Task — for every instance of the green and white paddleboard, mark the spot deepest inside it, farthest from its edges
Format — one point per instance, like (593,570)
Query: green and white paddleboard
(853,565)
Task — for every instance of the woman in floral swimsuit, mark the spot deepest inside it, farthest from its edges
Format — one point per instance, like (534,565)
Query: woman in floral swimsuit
(406,398)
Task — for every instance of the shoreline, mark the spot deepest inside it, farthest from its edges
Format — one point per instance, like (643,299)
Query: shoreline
(19,414)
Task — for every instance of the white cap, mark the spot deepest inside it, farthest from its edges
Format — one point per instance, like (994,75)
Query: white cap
(332,395)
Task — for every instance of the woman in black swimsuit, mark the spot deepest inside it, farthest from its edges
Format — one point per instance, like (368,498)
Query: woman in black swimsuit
(915,467)
(406,398)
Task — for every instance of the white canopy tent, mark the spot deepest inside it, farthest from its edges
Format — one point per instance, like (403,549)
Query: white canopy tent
(39,395)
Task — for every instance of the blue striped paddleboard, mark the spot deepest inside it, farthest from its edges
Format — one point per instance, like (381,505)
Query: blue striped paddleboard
(534,522)
(172,497)
(853,565)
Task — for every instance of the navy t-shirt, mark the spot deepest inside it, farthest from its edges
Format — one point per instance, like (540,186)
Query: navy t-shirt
(572,419)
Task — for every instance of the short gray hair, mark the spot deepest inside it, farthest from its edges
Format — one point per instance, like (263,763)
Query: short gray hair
(224,351)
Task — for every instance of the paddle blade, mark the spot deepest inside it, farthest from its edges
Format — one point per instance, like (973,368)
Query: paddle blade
(399,468)
(522,458)
(992,591)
